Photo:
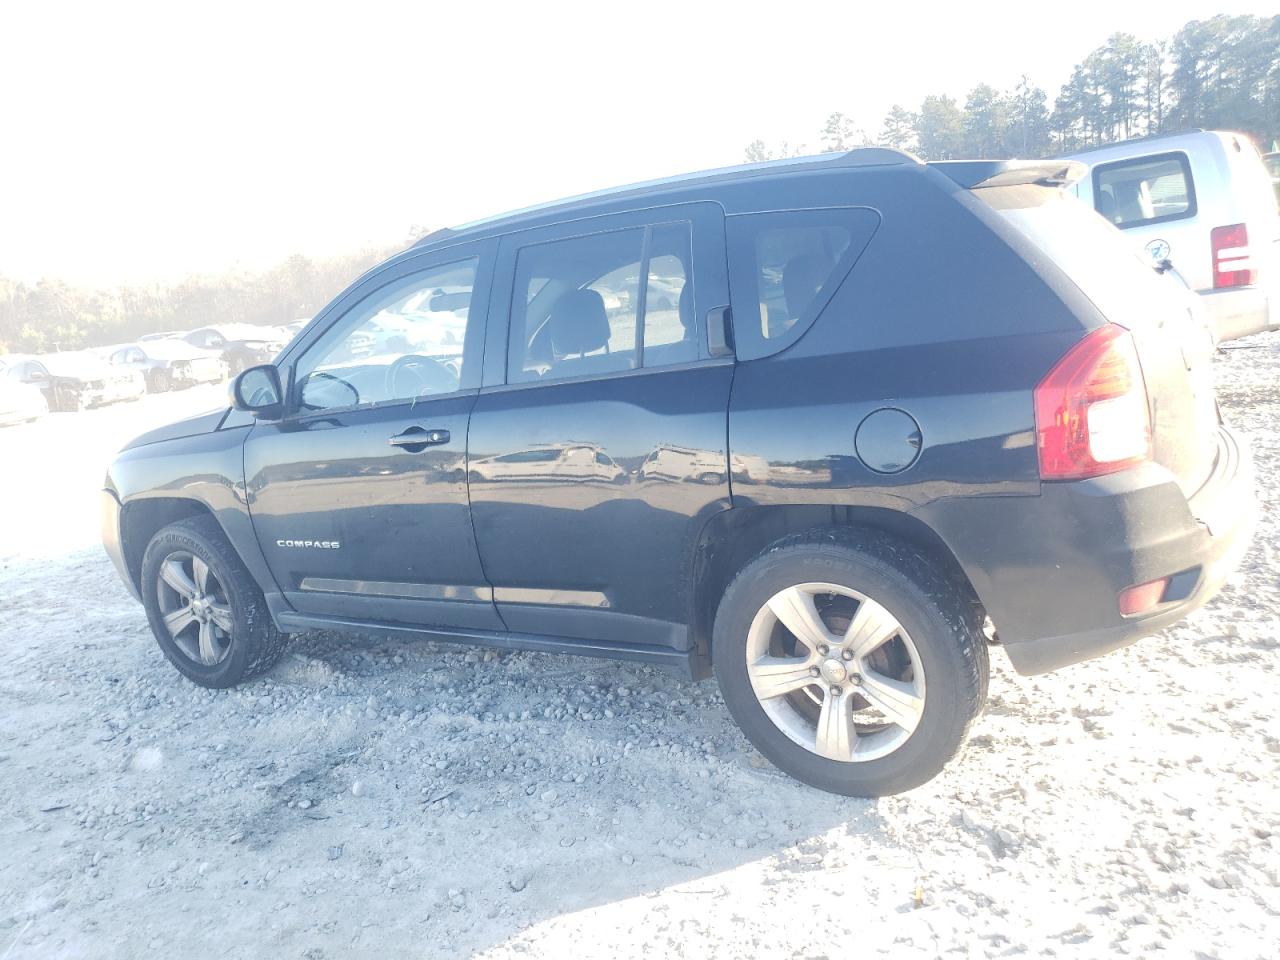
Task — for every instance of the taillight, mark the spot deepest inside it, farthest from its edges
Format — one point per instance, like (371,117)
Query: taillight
(1091,409)
(1232,266)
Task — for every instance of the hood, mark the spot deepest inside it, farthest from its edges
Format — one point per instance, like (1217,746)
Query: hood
(190,427)
(173,350)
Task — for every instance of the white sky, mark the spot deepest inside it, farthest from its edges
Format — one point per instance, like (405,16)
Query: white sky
(145,142)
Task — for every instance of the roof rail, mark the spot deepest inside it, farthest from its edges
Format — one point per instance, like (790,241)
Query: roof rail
(859,157)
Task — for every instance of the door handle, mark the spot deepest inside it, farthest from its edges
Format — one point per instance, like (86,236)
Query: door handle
(719,332)
(419,437)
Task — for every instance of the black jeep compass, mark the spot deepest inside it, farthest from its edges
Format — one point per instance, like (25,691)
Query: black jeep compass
(827,428)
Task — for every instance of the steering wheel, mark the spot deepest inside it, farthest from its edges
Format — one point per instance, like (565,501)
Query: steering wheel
(431,375)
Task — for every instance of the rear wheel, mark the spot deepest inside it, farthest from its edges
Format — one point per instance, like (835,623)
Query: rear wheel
(207,613)
(853,664)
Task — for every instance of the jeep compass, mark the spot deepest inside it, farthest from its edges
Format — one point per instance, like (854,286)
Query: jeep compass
(827,428)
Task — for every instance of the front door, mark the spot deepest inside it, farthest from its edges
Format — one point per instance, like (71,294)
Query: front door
(359,494)
(598,449)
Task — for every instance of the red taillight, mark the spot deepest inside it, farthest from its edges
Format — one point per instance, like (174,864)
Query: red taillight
(1232,265)
(1091,409)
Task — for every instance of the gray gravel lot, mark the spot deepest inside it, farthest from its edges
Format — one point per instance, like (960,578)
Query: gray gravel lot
(427,800)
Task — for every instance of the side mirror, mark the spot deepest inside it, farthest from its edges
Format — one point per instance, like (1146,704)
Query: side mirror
(257,391)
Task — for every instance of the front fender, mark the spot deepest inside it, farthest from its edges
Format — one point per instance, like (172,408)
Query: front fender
(207,469)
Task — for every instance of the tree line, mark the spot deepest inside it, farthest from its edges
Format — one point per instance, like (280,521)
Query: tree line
(1218,73)
(1221,73)
(52,315)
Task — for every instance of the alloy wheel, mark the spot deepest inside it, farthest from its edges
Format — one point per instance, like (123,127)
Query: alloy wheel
(195,608)
(835,671)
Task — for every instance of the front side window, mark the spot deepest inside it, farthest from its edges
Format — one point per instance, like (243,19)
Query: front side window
(1131,193)
(402,343)
(603,303)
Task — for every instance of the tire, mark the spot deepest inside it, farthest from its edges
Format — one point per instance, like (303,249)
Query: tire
(251,646)
(159,382)
(939,652)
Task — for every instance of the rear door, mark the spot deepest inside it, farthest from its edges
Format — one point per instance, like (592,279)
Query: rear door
(598,443)
(358,496)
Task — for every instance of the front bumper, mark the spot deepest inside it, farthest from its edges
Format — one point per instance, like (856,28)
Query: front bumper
(1050,569)
(110,392)
(200,371)
(111,541)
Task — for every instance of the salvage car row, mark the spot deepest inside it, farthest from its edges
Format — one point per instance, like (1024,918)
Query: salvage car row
(33,385)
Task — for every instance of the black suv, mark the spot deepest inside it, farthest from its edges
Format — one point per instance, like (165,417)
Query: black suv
(827,428)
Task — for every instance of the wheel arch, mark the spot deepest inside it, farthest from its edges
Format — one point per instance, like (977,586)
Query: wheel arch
(732,538)
(140,520)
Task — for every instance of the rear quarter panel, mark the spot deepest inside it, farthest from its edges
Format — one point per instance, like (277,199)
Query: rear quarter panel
(948,315)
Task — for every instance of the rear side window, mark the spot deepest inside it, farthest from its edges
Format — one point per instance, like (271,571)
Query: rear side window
(1144,190)
(603,303)
(784,268)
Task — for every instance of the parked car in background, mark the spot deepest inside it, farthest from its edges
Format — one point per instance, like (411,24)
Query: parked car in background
(19,402)
(1272,160)
(955,407)
(164,335)
(242,345)
(77,380)
(1203,201)
(170,364)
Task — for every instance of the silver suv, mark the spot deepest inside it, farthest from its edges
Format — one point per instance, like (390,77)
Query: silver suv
(1203,201)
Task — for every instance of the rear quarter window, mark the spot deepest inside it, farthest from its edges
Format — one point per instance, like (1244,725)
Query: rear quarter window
(784,268)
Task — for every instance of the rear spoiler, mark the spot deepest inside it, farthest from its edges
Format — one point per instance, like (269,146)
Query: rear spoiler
(978,174)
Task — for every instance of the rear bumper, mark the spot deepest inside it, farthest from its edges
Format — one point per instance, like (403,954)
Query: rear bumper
(110,515)
(1049,569)
(1240,312)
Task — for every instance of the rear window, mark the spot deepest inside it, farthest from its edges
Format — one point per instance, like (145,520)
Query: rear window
(1144,190)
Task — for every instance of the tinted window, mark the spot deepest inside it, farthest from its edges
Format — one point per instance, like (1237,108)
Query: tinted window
(1144,190)
(403,342)
(784,268)
(578,303)
(670,327)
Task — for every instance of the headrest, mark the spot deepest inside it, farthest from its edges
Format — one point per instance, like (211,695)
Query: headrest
(579,324)
(802,278)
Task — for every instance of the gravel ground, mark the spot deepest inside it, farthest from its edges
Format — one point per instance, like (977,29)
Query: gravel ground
(433,801)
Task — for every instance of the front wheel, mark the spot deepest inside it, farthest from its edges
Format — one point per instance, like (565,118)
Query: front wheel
(206,611)
(851,663)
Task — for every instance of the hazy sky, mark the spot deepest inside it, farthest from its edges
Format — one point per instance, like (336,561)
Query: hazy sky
(144,142)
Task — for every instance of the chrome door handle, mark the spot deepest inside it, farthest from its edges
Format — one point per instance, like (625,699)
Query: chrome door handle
(420,437)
